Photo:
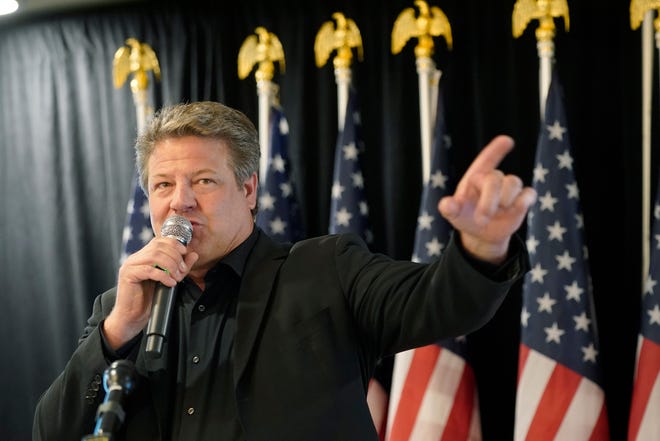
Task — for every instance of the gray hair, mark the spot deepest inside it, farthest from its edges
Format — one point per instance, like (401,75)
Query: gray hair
(205,119)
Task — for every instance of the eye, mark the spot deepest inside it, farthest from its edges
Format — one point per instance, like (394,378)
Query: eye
(161,185)
(205,181)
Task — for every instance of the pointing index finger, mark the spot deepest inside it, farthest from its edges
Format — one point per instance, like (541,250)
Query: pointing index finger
(487,160)
(491,156)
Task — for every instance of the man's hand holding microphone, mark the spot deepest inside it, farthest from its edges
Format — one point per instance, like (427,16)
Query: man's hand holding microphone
(146,285)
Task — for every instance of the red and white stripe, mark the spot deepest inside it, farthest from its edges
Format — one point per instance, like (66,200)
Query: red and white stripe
(556,403)
(644,424)
(433,397)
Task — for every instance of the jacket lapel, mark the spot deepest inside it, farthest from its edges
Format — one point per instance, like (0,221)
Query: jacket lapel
(256,288)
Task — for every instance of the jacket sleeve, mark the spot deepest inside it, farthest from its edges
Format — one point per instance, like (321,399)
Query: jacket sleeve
(400,305)
(67,409)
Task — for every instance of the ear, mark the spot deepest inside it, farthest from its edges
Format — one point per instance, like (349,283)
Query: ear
(250,190)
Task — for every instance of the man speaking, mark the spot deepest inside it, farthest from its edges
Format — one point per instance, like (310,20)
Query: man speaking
(270,341)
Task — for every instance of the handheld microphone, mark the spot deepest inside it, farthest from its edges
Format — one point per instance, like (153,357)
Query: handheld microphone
(180,229)
(118,380)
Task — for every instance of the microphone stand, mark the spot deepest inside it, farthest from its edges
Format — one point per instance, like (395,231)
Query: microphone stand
(118,380)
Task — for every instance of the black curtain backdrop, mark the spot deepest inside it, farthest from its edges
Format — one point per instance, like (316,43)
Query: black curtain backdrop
(66,157)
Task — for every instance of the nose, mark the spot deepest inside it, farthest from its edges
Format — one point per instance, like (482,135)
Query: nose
(183,198)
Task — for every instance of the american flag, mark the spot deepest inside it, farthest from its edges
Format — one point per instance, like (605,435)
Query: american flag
(644,424)
(349,212)
(137,231)
(559,394)
(279,212)
(433,394)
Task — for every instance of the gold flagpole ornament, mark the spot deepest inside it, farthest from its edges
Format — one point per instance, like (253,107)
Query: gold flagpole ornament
(431,22)
(524,11)
(265,50)
(544,11)
(343,38)
(137,59)
(638,8)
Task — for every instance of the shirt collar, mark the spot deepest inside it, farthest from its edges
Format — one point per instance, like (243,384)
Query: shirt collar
(238,256)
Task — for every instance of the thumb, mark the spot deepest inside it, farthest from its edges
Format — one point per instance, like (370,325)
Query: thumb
(190,259)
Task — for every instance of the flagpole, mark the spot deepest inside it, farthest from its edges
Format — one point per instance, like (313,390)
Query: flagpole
(425,72)
(342,38)
(642,12)
(647,88)
(265,49)
(349,209)
(137,59)
(343,76)
(431,22)
(544,11)
(265,97)
(545,46)
(641,425)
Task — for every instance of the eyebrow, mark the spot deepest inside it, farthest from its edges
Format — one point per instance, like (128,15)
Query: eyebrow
(203,171)
(197,173)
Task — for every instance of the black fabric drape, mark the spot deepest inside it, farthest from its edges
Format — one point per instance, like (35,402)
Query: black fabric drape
(66,158)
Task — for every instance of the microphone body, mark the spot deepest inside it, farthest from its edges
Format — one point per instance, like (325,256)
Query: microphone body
(179,228)
(159,322)
(118,381)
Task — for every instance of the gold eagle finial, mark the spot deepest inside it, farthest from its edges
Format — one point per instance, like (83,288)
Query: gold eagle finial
(264,48)
(431,22)
(637,10)
(137,59)
(525,11)
(342,38)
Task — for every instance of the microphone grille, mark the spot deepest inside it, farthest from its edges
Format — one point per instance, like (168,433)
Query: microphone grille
(177,227)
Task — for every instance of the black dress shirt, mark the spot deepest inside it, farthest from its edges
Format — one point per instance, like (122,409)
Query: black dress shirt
(203,405)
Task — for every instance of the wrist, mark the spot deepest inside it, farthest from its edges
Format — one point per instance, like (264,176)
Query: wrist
(118,334)
(491,252)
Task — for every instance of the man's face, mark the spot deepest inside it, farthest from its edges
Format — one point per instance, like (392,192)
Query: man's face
(191,176)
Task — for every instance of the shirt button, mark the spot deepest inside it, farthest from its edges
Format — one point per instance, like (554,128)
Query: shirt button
(201,308)
(195,359)
(191,410)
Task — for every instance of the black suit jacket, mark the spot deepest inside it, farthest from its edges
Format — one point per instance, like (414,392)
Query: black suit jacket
(311,322)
